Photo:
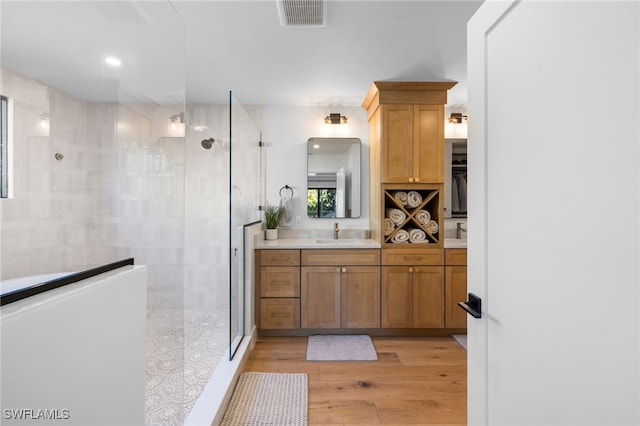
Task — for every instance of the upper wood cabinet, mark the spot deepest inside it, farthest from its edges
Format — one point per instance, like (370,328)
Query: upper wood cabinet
(406,124)
(412,144)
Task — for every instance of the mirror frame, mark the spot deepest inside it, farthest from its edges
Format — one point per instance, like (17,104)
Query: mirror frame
(349,184)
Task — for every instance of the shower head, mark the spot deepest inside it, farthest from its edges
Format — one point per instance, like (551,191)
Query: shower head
(207,143)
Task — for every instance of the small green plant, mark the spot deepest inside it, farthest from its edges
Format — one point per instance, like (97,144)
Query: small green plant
(273,215)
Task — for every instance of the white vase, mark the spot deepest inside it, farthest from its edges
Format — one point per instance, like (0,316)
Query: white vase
(271,234)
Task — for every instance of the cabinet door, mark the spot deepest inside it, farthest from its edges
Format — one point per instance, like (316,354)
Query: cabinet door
(455,291)
(397,143)
(397,297)
(428,297)
(428,143)
(320,297)
(360,297)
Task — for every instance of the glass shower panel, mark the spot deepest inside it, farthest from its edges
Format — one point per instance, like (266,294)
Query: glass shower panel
(244,190)
(99,159)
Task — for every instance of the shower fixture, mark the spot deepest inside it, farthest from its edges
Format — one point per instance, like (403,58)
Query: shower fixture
(207,143)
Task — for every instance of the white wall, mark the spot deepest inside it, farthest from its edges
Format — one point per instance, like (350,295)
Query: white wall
(288,128)
(78,352)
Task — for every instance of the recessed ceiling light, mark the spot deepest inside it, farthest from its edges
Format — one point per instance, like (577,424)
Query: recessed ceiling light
(113,61)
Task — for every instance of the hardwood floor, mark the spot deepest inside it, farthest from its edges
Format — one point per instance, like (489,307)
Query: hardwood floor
(416,380)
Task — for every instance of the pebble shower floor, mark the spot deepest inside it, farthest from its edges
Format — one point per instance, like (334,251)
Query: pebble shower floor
(183,350)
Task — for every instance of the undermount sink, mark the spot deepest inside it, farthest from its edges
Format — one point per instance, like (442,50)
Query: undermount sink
(338,241)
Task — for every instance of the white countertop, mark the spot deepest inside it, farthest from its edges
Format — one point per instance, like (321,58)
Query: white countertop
(316,243)
(455,243)
(346,243)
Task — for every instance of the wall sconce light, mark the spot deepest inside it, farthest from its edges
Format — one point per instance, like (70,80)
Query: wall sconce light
(457,118)
(44,124)
(176,125)
(335,118)
(456,126)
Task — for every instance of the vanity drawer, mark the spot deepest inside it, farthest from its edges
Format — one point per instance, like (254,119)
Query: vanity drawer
(427,256)
(340,257)
(456,256)
(279,257)
(279,313)
(279,281)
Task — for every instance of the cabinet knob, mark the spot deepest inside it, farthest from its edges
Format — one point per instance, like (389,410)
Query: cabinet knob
(344,269)
(410,179)
(410,269)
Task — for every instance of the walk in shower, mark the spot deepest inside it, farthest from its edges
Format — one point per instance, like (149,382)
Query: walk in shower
(114,166)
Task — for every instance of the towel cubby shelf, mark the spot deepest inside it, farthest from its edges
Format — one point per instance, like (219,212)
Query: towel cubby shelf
(411,215)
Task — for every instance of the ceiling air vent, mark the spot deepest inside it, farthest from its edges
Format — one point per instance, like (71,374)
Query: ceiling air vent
(302,13)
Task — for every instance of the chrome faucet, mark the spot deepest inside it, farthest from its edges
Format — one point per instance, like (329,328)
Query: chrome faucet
(336,230)
(459,230)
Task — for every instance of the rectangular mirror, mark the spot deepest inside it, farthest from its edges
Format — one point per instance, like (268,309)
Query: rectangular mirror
(333,177)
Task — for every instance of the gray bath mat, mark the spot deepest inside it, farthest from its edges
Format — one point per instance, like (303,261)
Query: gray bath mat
(268,399)
(341,348)
(461,339)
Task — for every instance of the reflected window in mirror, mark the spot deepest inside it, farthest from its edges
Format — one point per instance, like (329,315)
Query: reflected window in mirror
(321,202)
(333,177)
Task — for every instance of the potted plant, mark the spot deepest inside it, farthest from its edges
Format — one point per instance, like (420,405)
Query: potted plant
(273,216)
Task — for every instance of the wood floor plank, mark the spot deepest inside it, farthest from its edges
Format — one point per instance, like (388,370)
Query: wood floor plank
(342,411)
(427,411)
(416,380)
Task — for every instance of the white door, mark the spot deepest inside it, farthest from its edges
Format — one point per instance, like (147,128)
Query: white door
(554,218)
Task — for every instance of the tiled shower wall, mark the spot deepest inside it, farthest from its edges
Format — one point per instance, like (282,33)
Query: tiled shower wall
(46,225)
(123,189)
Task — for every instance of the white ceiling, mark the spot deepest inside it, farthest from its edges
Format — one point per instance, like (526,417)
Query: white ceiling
(207,48)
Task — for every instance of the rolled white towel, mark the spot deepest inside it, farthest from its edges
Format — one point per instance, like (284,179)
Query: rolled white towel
(401,236)
(417,236)
(396,215)
(423,217)
(389,226)
(432,227)
(401,197)
(413,199)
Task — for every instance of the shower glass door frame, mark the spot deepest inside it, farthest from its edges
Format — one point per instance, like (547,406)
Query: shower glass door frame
(245,182)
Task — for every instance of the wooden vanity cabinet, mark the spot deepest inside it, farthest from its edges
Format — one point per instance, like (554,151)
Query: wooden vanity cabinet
(279,289)
(340,288)
(413,292)
(455,287)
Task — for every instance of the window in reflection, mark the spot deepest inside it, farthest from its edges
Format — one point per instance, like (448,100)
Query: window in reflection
(321,202)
